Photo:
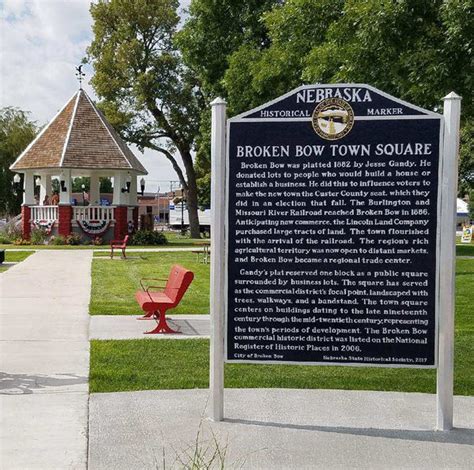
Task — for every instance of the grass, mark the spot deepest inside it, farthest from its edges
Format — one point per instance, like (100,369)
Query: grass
(174,240)
(105,247)
(114,282)
(176,364)
(14,257)
(465,250)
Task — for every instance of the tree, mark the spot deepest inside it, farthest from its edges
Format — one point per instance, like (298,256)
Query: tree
(466,161)
(216,29)
(105,185)
(418,51)
(77,183)
(16,132)
(256,75)
(149,96)
(213,31)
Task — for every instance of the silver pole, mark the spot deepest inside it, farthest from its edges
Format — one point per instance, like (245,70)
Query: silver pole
(218,148)
(447,262)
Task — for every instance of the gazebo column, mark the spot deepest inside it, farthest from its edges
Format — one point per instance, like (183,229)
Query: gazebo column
(45,187)
(94,192)
(28,200)
(133,201)
(64,208)
(120,201)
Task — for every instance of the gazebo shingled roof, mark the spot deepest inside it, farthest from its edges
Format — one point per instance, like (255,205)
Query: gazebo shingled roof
(78,137)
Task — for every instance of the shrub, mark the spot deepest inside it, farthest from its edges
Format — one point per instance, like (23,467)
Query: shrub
(38,236)
(97,241)
(21,241)
(148,237)
(4,240)
(73,239)
(58,240)
(12,230)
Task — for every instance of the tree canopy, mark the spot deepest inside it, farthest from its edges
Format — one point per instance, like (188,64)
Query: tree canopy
(212,33)
(417,51)
(147,93)
(16,132)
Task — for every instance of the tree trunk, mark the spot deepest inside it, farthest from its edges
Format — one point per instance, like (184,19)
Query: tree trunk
(191,194)
(192,203)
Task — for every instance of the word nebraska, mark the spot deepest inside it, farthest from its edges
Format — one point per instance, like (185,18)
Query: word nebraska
(315,95)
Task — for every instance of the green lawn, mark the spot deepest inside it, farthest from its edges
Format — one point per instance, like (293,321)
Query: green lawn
(14,257)
(174,364)
(174,240)
(114,282)
(47,247)
(465,250)
(105,247)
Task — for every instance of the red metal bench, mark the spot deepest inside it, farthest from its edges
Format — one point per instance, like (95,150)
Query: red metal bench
(119,245)
(156,303)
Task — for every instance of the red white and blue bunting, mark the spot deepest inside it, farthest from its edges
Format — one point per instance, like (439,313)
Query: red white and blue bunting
(46,225)
(93,227)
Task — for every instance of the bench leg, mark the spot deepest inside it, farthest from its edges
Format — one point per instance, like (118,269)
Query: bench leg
(123,253)
(162,326)
(147,316)
(111,253)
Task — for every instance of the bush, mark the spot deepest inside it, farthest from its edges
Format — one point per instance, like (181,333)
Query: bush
(12,230)
(73,239)
(38,236)
(4,240)
(148,237)
(58,240)
(21,241)
(97,241)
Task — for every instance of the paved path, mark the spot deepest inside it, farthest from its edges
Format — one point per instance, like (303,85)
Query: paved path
(128,327)
(279,429)
(44,353)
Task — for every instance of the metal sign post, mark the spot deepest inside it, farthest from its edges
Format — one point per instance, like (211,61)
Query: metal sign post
(217,258)
(449,167)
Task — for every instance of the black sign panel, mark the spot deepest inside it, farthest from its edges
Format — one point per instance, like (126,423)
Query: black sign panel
(332,230)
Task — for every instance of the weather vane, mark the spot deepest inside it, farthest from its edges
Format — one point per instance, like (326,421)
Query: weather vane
(80,74)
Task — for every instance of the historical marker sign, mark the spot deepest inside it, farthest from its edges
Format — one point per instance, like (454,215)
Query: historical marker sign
(332,230)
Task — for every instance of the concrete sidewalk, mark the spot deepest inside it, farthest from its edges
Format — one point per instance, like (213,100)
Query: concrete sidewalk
(279,429)
(128,327)
(45,361)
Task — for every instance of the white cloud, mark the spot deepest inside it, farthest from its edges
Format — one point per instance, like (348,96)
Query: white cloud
(41,43)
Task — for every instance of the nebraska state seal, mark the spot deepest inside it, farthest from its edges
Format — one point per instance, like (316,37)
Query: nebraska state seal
(333,118)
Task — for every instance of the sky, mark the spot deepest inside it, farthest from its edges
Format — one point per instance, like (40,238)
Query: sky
(41,42)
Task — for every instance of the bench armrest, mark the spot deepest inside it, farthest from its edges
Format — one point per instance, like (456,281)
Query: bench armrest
(147,289)
(151,279)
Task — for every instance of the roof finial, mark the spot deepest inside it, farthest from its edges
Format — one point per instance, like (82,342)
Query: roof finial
(80,74)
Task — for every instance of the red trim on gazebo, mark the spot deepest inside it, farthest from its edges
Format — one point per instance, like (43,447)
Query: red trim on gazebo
(64,220)
(121,222)
(26,222)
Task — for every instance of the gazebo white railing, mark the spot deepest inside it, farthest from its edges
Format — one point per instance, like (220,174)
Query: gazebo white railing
(49,213)
(88,213)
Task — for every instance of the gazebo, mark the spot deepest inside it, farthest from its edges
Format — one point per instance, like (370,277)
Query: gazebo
(79,142)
